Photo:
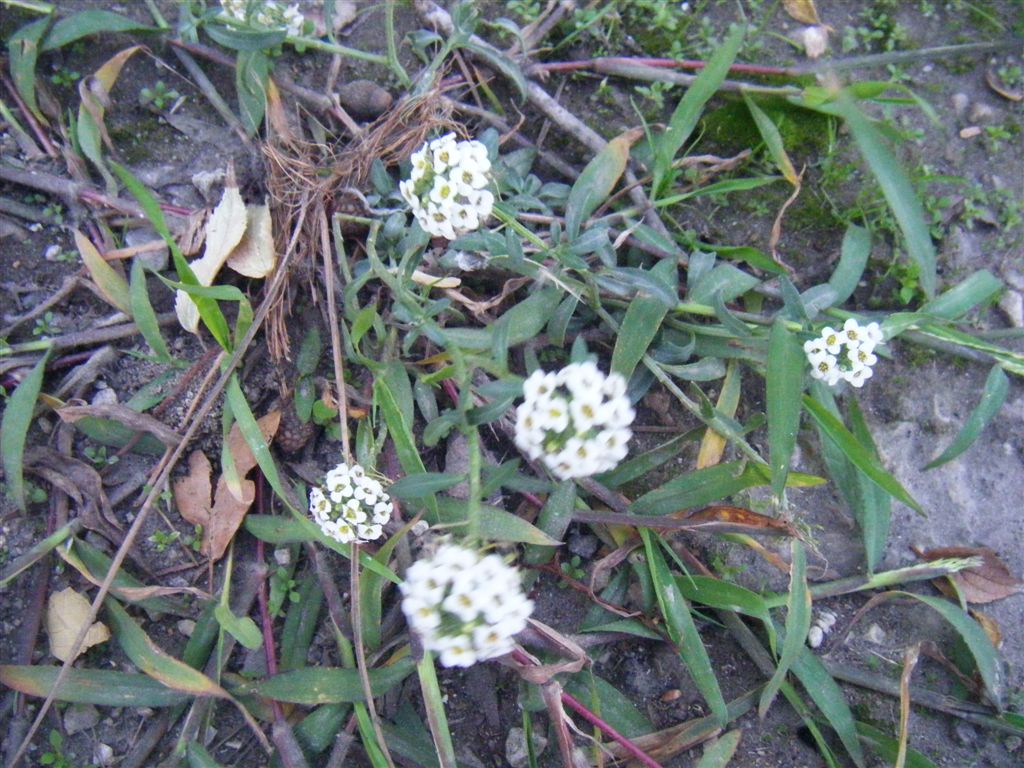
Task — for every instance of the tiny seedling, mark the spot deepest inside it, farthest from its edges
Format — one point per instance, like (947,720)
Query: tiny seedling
(46,326)
(159,97)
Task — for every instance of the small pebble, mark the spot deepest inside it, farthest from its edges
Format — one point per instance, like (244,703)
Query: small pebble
(1013,743)
(965,733)
(1012,305)
(103,754)
(79,717)
(105,396)
(970,132)
(283,556)
(186,627)
(981,113)
(875,634)
(960,103)
(583,545)
(815,636)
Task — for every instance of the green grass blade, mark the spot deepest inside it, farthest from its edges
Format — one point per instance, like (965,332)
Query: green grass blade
(727,596)
(14,430)
(554,520)
(853,258)
(401,434)
(798,622)
(328,685)
(997,387)
(85,23)
(636,332)
(719,752)
(874,508)
(682,630)
(142,312)
(887,747)
(23,49)
(687,112)
(785,378)
(857,453)
(899,193)
(101,687)
(828,697)
(973,290)
(772,140)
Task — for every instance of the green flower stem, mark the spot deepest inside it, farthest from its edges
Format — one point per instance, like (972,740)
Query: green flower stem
(389,31)
(923,572)
(436,718)
(473,510)
(352,53)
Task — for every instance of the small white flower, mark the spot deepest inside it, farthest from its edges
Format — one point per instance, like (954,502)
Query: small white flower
(457,651)
(873,333)
(351,498)
(815,40)
(844,355)
(831,339)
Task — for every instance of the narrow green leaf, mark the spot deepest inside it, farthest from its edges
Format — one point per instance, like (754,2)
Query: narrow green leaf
(986,657)
(554,520)
(798,622)
(254,439)
(242,628)
(785,378)
(102,687)
(300,623)
(636,332)
(113,287)
(727,596)
(328,685)
(198,757)
(81,554)
(857,453)
(608,703)
(887,747)
(400,431)
(496,524)
(874,506)
(38,551)
(23,49)
(682,630)
(308,359)
(828,697)
(997,387)
(250,40)
(142,312)
(853,258)
(595,183)
(14,426)
(640,465)
(424,484)
(252,71)
(719,752)
(525,320)
(695,489)
(502,63)
(687,112)
(85,23)
(724,279)
(899,193)
(972,291)
(772,140)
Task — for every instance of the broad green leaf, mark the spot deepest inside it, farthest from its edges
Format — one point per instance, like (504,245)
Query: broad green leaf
(899,193)
(397,379)
(682,630)
(607,702)
(242,628)
(596,182)
(328,685)
(249,40)
(857,453)
(727,596)
(986,657)
(784,383)
(23,49)
(554,519)
(874,506)
(526,320)
(772,140)
(719,752)
(687,112)
(969,293)
(143,314)
(308,359)
(424,484)
(828,697)
(853,258)
(798,622)
(252,70)
(102,687)
(726,280)
(317,730)
(300,623)
(85,23)
(997,387)
(695,489)
(112,285)
(636,332)
(496,524)
(400,431)
(14,426)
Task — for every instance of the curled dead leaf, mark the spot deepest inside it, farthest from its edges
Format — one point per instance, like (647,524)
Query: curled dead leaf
(803,11)
(991,627)
(138,422)
(723,518)
(985,583)
(254,256)
(997,85)
(66,612)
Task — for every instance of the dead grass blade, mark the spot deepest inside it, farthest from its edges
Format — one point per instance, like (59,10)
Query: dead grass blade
(909,662)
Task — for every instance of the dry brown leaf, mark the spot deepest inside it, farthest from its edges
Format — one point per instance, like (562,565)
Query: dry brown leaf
(254,256)
(65,615)
(222,519)
(138,422)
(991,627)
(997,85)
(723,518)
(223,231)
(802,10)
(986,583)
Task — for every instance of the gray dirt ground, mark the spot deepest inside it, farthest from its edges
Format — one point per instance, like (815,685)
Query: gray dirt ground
(914,405)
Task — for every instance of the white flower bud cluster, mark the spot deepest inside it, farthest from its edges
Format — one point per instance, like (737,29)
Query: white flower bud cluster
(465,606)
(845,355)
(351,505)
(576,421)
(447,188)
(270,14)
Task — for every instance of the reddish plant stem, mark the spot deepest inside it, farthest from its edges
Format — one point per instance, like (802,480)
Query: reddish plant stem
(37,129)
(692,64)
(574,704)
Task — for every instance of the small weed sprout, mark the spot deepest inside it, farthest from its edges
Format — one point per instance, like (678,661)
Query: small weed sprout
(46,326)
(576,421)
(447,188)
(846,355)
(159,97)
(464,605)
(351,505)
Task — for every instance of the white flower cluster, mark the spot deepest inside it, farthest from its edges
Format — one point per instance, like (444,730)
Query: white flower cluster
(576,420)
(351,506)
(447,188)
(844,355)
(465,606)
(269,13)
